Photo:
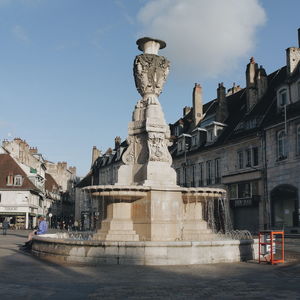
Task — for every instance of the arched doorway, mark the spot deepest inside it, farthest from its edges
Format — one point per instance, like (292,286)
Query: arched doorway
(284,204)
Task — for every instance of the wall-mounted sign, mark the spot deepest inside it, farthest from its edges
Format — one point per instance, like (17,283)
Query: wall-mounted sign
(245,202)
(10,208)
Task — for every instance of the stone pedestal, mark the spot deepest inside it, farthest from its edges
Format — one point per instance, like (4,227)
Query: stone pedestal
(157,216)
(118,225)
(194,228)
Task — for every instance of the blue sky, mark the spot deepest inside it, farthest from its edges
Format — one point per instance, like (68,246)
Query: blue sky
(66,79)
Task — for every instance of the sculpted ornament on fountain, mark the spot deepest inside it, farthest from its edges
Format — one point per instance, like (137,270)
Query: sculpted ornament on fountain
(148,133)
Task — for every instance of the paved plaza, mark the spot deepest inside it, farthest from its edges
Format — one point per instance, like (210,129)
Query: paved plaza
(23,276)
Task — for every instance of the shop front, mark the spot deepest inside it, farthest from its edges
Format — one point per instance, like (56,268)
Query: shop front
(18,219)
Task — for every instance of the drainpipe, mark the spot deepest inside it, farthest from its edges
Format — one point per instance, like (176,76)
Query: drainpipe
(267,204)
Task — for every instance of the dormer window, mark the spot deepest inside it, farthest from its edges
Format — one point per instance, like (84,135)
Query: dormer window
(210,134)
(199,137)
(180,146)
(214,130)
(183,143)
(18,180)
(194,140)
(10,179)
(282,97)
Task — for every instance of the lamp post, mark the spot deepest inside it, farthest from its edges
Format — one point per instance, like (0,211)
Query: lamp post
(50,216)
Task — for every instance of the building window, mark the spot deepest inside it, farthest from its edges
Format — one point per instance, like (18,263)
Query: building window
(248,158)
(217,171)
(10,179)
(181,145)
(240,160)
(210,135)
(255,156)
(254,188)
(233,191)
(209,172)
(18,180)
(281,145)
(282,97)
(194,140)
(298,140)
(200,174)
(243,190)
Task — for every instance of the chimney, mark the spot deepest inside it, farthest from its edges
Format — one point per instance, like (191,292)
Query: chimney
(33,150)
(262,82)
(186,110)
(233,90)
(222,110)
(293,57)
(117,142)
(197,104)
(251,88)
(95,154)
(109,151)
(251,73)
(72,170)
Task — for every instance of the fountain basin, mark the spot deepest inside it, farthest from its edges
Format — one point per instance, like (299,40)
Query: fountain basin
(95,252)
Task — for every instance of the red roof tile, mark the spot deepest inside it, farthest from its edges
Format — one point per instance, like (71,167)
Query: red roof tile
(8,166)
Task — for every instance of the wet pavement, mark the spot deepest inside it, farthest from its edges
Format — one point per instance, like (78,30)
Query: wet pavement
(23,276)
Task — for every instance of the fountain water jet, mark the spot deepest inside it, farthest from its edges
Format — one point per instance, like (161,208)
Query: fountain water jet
(148,219)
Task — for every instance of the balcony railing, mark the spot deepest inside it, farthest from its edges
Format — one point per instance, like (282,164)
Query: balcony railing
(245,202)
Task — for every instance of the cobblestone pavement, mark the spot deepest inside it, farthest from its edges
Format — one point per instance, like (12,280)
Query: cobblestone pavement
(25,277)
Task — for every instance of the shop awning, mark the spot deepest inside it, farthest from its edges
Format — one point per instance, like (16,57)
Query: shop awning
(12,213)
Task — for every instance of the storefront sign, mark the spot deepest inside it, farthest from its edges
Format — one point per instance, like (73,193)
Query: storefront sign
(246,202)
(11,213)
(10,208)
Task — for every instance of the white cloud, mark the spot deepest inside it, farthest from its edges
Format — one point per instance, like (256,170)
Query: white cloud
(20,33)
(204,37)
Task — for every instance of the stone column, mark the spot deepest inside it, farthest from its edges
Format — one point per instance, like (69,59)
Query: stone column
(147,159)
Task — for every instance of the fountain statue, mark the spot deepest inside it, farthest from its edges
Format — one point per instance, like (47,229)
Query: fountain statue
(147,218)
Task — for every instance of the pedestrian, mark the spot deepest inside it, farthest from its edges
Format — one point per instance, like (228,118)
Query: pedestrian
(76,225)
(5,226)
(42,228)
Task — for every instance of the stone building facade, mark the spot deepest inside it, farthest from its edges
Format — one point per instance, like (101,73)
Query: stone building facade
(66,179)
(247,141)
(31,186)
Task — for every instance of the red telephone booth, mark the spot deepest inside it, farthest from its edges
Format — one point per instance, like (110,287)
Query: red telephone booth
(271,246)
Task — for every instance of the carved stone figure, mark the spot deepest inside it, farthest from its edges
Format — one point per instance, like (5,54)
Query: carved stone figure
(150,74)
(158,150)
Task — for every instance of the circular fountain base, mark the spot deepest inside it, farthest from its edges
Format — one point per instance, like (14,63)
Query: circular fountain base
(143,252)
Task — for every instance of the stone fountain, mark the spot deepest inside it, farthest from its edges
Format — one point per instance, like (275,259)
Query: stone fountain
(148,219)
